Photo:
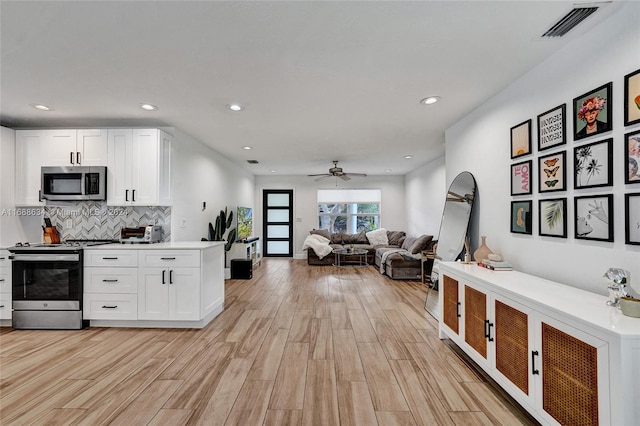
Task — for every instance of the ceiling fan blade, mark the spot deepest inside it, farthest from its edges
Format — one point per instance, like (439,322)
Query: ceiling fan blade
(344,177)
(322,177)
(319,174)
(358,174)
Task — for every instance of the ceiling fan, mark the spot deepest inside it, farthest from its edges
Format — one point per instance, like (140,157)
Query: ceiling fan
(337,172)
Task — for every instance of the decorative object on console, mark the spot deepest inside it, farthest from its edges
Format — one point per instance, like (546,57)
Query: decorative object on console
(630,306)
(632,98)
(483,251)
(552,128)
(592,112)
(521,139)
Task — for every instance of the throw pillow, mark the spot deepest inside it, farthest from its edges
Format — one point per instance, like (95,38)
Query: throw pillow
(378,237)
(408,242)
(336,238)
(394,237)
(420,244)
(324,232)
(360,238)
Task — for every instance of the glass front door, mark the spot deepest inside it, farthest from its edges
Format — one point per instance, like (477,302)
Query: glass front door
(278,222)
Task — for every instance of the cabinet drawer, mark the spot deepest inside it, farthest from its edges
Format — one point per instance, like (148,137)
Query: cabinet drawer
(170,258)
(110,306)
(111,258)
(5,305)
(5,280)
(110,280)
(4,259)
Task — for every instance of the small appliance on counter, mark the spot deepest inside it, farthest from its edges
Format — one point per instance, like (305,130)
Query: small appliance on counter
(142,234)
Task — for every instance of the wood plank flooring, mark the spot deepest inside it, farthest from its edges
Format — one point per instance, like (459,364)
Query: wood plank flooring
(295,345)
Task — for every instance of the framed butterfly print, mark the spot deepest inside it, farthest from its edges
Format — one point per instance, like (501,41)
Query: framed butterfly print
(594,217)
(552,175)
(521,212)
(521,139)
(632,215)
(552,217)
(592,112)
(551,128)
(593,165)
(632,157)
(521,178)
(632,98)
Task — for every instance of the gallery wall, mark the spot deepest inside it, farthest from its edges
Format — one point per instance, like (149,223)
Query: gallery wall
(480,143)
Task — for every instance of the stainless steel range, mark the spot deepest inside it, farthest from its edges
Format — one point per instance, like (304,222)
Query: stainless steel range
(47,284)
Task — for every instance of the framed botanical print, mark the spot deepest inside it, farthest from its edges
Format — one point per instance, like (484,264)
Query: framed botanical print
(551,127)
(632,98)
(632,157)
(552,217)
(592,112)
(521,139)
(552,175)
(632,218)
(593,164)
(594,217)
(521,212)
(521,178)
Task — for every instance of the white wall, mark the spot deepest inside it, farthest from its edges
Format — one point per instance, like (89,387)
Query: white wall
(392,215)
(199,175)
(480,144)
(426,189)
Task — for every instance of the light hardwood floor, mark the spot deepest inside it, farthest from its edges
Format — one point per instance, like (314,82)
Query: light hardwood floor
(296,345)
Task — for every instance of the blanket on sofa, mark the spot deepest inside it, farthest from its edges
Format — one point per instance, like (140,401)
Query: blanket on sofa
(403,252)
(318,243)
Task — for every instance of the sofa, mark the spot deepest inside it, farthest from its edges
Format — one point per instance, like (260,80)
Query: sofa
(402,261)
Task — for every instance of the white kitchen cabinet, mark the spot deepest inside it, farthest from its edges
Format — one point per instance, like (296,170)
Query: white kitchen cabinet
(29,160)
(561,352)
(169,293)
(5,285)
(139,167)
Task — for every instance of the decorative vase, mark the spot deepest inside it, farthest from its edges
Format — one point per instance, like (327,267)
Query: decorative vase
(483,251)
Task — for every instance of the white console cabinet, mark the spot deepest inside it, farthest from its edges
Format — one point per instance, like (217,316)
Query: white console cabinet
(250,251)
(5,285)
(561,352)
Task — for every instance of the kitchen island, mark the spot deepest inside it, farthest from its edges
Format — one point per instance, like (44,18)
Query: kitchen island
(172,284)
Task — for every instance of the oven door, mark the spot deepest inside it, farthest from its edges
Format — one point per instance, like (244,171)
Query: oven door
(47,281)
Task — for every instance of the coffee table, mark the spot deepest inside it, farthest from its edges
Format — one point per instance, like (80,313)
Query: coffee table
(350,257)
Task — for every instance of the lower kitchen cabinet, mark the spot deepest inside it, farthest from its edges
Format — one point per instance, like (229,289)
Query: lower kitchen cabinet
(169,293)
(561,352)
(110,293)
(5,285)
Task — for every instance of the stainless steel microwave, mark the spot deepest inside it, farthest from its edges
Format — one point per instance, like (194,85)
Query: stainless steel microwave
(74,183)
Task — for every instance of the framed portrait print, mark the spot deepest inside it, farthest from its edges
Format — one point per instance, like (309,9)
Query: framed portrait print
(632,218)
(552,217)
(552,174)
(521,139)
(593,164)
(592,112)
(594,217)
(521,178)
(632,98)
(521,217)
(632,157)
(551,128)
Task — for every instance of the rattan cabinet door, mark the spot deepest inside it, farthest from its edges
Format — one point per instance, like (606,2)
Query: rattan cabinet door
(476,322)
(450,303)
(512,344)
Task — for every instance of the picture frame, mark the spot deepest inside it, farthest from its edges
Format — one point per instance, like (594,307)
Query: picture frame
(593,164)
(521,178)
(521,213)
(632,98)
(552,217)
(632,157)
(552,172)
(552,126)
(632,218)
(594,217)
(521,139)
(592,112)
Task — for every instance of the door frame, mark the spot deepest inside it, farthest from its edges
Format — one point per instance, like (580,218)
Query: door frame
(265,223)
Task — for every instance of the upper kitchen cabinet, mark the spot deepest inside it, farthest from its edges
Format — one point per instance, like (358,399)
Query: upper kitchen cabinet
(70,147)
(29,159)
(139,167)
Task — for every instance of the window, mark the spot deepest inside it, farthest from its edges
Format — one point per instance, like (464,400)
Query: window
(349,210)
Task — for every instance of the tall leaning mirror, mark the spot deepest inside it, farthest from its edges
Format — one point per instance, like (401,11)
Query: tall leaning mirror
(453,230)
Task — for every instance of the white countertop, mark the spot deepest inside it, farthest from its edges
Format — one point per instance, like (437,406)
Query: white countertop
(171,245)
(588,307)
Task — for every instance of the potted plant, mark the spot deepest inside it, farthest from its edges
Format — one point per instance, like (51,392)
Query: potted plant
(222,231)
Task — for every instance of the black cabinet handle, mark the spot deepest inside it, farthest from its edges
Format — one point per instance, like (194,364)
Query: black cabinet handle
(489,334)
(163,280)
(109,307)
(1,279)
(171,277)
(486,329)
(78,157)
(133,195)
(167,258)
(533,363)
(458,309)
(71,157)
(109,281)
(126,195)
(1,306)
(110,258)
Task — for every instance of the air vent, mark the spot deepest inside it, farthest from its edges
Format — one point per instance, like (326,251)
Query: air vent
(570,20)
(252,161)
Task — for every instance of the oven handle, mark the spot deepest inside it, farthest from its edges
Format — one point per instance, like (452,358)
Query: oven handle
(46,257)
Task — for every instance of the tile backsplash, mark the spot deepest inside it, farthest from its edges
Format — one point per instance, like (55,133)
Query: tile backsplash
(95,220)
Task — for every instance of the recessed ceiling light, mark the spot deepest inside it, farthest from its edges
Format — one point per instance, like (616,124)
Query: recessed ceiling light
(235,107)
(388,171)
(247,147)
(148,107)
(273,171)
(408,157)
(430,100)
(41,107)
